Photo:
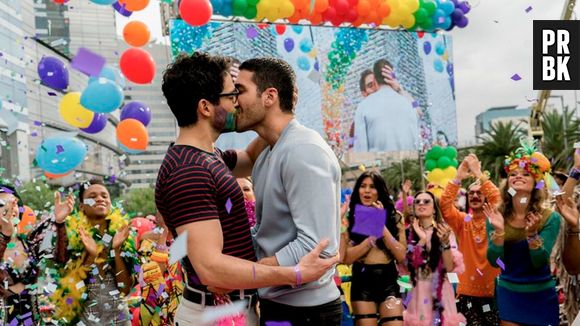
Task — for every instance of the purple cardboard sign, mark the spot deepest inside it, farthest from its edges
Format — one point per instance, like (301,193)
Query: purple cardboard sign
(369,220)
(88,62)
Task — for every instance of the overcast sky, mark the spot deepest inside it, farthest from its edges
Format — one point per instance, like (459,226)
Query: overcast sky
(495,45)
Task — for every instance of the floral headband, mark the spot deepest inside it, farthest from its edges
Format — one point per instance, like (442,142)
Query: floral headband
(528,157)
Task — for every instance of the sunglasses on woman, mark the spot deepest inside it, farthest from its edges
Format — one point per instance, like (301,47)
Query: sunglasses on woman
(422,201)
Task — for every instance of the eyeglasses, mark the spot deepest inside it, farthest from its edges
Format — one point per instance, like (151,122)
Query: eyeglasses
(233,96)
(473,193)
(422,201)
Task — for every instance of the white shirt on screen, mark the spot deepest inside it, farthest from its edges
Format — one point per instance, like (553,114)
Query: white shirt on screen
(385,121)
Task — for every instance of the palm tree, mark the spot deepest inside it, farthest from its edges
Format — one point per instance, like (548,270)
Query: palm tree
(501,139)
(396,173)
(555,135)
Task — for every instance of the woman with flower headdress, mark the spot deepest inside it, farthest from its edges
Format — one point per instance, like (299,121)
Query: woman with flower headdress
(99,251)
(521,234)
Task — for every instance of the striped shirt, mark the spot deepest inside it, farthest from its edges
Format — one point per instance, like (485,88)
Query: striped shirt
(193,186)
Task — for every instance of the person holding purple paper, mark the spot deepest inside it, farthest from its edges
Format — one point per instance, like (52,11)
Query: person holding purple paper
(375,294)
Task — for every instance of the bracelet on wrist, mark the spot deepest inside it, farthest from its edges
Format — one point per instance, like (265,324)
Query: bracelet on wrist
(575,174)
(456,182)
(298,277)
(495,235)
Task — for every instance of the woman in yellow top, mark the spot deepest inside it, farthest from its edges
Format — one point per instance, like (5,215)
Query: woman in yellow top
(375,293)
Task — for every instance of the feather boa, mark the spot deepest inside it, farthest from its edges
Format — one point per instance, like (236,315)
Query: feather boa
(70,298)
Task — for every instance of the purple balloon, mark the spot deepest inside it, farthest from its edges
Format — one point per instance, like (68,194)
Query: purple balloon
(53,73)
(289,44)
(463,22)
(450,69)
(456,15)
(97,125)
(427,47)
(464,6)
(138,111)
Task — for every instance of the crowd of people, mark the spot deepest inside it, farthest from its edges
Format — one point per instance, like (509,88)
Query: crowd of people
(265,229)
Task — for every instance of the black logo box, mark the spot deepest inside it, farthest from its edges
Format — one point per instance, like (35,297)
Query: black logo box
(573,28)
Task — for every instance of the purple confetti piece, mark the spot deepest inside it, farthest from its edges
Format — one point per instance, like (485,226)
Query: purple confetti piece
(51,94)
(28,322)
(500,264)
(408,299)
(540,184)
(229,205)
(14,322)
(34,134)
(425,301)
(467,218)
(112,178)
(59,149)
(21,210)
(528,9)
(37,123)
(516,77)
(415,104)
(88,62)
(161,288)
(69,300)
(278,323)
(251,32)
(120,8)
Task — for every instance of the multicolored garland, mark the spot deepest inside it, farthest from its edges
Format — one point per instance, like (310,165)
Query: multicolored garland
(70,296)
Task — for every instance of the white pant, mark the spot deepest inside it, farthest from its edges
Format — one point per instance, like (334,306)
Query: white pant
(189,313)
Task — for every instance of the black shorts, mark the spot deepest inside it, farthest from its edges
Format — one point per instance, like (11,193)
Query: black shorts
(374,283)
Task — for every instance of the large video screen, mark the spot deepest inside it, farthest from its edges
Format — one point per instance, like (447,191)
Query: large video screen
(363,90)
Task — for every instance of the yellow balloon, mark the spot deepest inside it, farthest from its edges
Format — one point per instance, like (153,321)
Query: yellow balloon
(450,172)
(413,5)
(409,21)
(287,9)
(392,20)
(437,192)
(435,176)
(73,113)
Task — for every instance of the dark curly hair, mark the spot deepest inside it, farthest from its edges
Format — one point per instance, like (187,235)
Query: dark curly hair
(392,217)
(363,75)
(275,73)
(191,78)
(84,186)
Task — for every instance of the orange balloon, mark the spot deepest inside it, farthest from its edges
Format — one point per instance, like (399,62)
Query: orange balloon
(316,19)
(384,10)
(320,6)
(27,221)
(364,8)
(136,33)
(134,5)
(55,176)
(132,134)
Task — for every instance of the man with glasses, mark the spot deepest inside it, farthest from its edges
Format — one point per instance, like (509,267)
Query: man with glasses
(197,194)
(476,284)
(386,119)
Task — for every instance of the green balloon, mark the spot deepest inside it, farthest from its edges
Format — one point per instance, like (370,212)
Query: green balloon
(430,164)
(253,2)
(427,25)
(450,152)
(239,7)
(430,6)
(454,163)
(421,15)
(251,12)
(436,152)
(443,162)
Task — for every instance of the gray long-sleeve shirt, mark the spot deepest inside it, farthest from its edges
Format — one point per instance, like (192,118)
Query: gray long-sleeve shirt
(297,187)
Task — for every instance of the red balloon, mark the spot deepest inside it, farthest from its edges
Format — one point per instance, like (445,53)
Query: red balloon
(137,65)
(60,2)
(280,29)
(195,12)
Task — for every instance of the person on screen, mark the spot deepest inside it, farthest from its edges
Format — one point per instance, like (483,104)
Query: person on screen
(386,120)
(368,85)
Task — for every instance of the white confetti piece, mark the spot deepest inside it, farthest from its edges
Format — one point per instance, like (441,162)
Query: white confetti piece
(485,308)
(50,287)
(107,238)
(524,200)
(89,201)
(114,292)
(512,191)
(80,285)
(112,253)
(452,277)
(178,249)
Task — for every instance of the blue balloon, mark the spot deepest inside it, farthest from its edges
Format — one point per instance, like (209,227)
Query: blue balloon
(97,125)
(138,111)
(112,74)
(102,96)
(53,73)
(446,23)
(447,6)
(304,63)
(438,65)
(104,2)
(226,8)
(316,65)
(60,155)
(128,150)
(306,45)
(440,48)
(297,28)
(427,47)
(289,44)
(216,5)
